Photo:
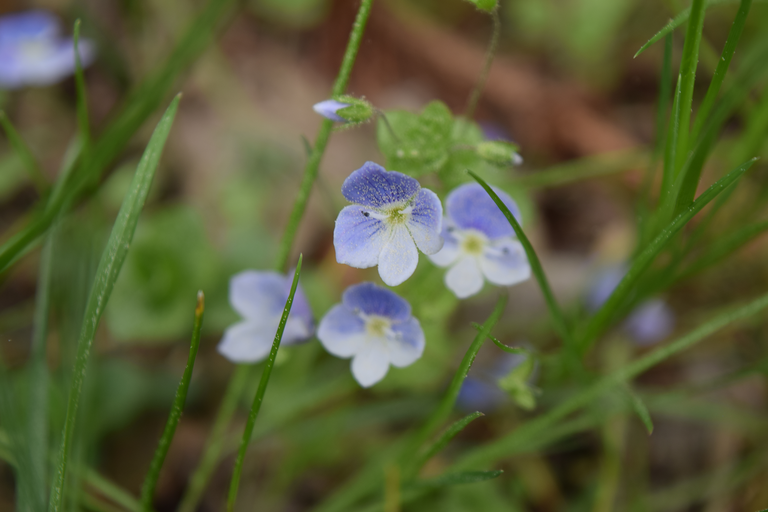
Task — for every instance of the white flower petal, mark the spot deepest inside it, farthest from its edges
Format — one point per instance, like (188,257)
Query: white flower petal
(408,345)
(464,278)
(399,257)
(341,332)
(505,264)
(426,222)
(258,295)
(371,364)
(248,342)
(359,237)
(450,251)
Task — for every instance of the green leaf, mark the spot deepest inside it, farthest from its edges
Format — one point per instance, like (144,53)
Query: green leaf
(484,5)
(502,346)
(605,315)
(418,143)
(463,155)
(109,267)
(516,384)
(150,481)
(640,409)
(82,97)
(458,478)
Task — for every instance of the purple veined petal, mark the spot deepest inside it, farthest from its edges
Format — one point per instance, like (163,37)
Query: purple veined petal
(41,63)
(470,207)
(505,263)
(479,395)
(603,284)
(28,25)
(650,322)
(375,187)
(450,252)
(426,222)
(248,341)
(398,259)
(328,109)
(464,279)
(371,364)
(341,331)
(358,238)
(408,345)
(371,299)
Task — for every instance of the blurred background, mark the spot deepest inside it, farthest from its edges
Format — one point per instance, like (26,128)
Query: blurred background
(564,86)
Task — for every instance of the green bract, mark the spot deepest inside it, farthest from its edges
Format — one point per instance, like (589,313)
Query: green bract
(358,111)
(497,152)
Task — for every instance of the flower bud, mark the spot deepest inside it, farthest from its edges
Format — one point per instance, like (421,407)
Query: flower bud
(499,152)
(345,109)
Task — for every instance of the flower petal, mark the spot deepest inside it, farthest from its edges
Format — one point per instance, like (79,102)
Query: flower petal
(258,295)
(450,251)
(341,331)
(358,238)
(426,222)
(28,25)
(248,342)
(399,258)
(603,285)
(408,345)
(328,109)
(650,322)
(471,207)
(372,299)
(505,263)
(371,364)
(479,395)
(464,278)
(375,187)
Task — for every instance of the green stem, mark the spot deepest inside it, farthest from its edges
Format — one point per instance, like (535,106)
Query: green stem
(443,410)
(150,481)
(82,101)
(529,432)
(259,398)
(216,439)
(313,163)
(474,96)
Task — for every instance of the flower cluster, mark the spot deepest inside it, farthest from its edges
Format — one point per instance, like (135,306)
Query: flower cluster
(33,52)
(390,220)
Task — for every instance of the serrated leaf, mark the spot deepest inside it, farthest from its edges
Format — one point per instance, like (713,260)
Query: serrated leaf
(459,478)
(417,143)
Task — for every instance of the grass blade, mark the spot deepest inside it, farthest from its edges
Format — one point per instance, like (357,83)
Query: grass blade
(530,431)
(722,67)
(605,315)
(558,318)
(150,482)
(25,154)
(441,442)
(723,248)
(640,409)
(82,98)
(502,346)
(106,275)
(459,478)
(688,64)
(257,400)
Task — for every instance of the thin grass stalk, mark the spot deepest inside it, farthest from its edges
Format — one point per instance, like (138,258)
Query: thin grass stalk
(82,97)
(109,267)
(474,96)
(25,155)
(259,398)
(150,481)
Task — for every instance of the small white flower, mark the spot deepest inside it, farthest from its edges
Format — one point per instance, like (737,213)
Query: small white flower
(479,242)
(374,327)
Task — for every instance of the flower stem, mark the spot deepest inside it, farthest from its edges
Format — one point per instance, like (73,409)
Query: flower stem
(150,481)
(257,400)
(474,96)
(313,164)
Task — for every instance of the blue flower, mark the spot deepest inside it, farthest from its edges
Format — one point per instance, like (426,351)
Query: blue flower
(391,217)
(33,53)
(480,391)
(374,326)
(650,322)
(328,109)
(260,298)
(479,242)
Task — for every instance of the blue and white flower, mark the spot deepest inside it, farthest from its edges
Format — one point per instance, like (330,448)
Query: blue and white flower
(373,326)
(32,52)
(479,242)
(391,218)
(259,297)
(328,109)
(650,322)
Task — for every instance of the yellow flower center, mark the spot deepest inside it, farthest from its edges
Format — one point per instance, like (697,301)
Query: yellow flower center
(377,326)
(473,244)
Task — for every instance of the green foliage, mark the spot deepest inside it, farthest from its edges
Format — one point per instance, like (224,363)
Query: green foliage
(170,260)
(358,111)
(516,383)
(484,5)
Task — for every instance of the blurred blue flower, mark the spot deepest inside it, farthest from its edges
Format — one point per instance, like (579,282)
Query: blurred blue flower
(479,242)
(650,322)
(259,297)
(328,109)
(391,217)
(32,52)
(481,390)
(374,326)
